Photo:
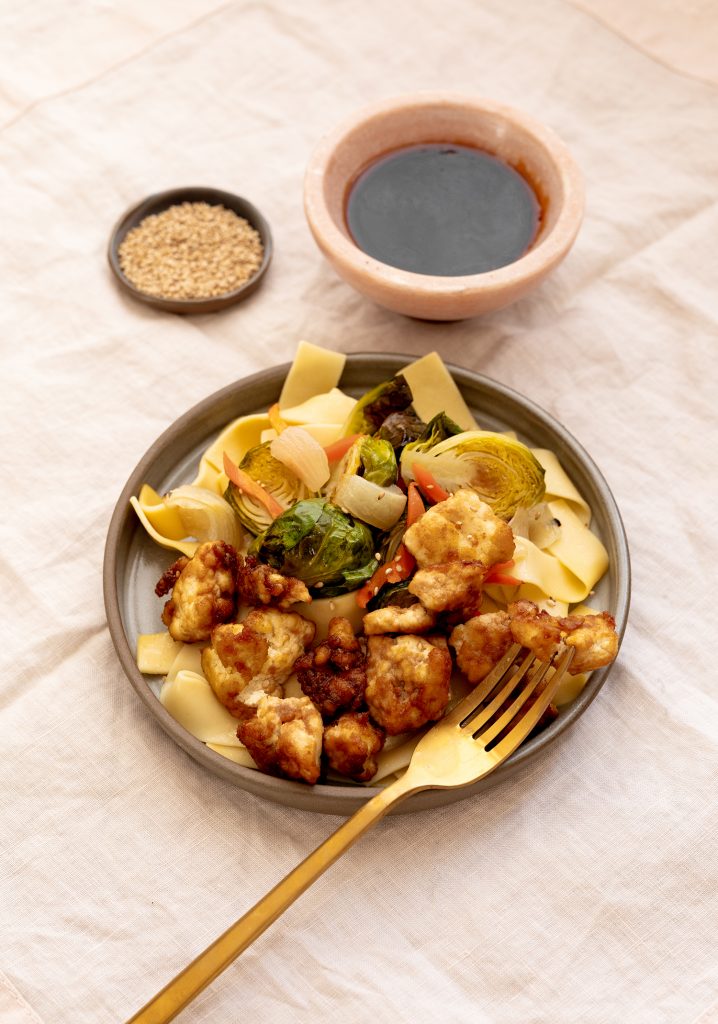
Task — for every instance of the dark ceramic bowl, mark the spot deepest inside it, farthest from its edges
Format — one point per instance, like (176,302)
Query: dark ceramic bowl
(133,563)
(163,200)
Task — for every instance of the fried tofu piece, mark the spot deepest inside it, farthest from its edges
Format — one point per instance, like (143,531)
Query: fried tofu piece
(233,667)
(407,681)
(351,745)
(287,634)
(480,643)
(258,584)
(203,591)
(392,619)
(333,675)
(461,528)
(285,737)
(595,640)
(593,636)
(249,659)
(450,586)
(540,632)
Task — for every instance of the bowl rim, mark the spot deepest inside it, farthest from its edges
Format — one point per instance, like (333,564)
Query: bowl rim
(325,798)
(548,251)
(158,201)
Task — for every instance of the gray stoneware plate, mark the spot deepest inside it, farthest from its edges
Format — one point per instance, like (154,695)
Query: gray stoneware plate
(133,563)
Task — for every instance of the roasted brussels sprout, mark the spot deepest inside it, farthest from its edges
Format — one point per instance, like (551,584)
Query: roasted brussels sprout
(363,483)
(435,431)
(372,409)
(400,429)
(370,457)
(274,477)
(316,542)
(502,471)
(378,462)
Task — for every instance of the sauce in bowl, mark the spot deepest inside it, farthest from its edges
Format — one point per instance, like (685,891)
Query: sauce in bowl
(442,209)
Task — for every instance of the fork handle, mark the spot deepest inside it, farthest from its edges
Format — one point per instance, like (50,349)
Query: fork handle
(204,969)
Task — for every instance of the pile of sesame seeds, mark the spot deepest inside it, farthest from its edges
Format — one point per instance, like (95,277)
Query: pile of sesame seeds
(191,251)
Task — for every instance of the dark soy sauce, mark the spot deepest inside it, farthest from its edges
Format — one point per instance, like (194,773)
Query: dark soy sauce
(442,209)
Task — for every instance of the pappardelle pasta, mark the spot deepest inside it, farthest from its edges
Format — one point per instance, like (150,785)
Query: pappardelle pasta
(349,568)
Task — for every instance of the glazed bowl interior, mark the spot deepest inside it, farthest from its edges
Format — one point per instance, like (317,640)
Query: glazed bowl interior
(515,138)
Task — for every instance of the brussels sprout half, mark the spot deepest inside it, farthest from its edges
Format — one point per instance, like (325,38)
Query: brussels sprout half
(274,477)
(502,471)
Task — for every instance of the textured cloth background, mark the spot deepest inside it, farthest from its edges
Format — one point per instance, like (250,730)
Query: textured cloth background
(582,890)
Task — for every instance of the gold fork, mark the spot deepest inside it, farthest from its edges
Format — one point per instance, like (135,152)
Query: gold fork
(468,743)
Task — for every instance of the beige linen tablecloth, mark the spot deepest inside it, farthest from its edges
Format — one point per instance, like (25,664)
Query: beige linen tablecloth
(582,890)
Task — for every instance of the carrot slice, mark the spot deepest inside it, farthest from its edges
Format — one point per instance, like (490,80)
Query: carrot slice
(251,487)
(432,491)
(414,505)
(497,574)
(503,580)
(338,449)
(394,571)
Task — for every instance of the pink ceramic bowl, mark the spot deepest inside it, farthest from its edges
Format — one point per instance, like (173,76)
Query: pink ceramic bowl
(528,146)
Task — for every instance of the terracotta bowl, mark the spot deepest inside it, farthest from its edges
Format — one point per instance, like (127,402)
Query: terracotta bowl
(528,146)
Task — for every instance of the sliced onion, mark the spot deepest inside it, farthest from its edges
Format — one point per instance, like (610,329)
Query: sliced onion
(379,506)
(299,451)
(544,529)
(205,515)
(536,524)
(519,523)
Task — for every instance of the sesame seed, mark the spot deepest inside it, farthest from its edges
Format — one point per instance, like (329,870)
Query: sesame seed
(191,251)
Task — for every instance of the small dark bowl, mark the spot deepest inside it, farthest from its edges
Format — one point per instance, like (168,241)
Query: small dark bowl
(163,200)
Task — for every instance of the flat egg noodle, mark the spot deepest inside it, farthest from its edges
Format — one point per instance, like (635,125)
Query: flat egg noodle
(156,511)
(558,484)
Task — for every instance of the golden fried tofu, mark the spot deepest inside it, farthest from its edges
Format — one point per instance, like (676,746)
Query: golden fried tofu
(233,667)
(450,586)
(287,635)
(333,675)
(593,636)
(352,744)
(540,632)
(258,584)
(461,528)
(250,659)
(203,591)
(392,619)
(595,640)
(285,737)
(480,643)
(407,681)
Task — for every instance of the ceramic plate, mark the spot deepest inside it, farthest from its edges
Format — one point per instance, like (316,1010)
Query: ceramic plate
(133,563)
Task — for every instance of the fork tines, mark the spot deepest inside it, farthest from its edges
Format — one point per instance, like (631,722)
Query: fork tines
(511,700)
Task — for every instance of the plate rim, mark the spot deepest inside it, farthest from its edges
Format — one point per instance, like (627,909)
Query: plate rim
(325,798)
